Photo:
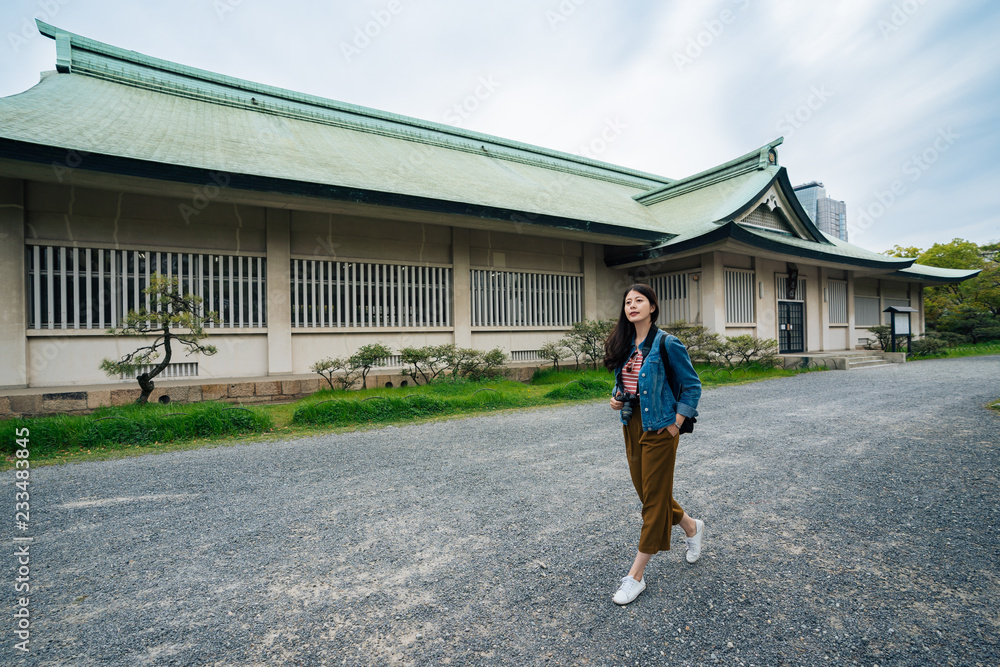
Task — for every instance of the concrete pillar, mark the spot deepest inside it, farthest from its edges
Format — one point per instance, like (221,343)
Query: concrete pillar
(713,293)
(767,297)
(824,309)
(279,308)
(590,310)
(917,301)
(13,315)
(852,335)
(461,307)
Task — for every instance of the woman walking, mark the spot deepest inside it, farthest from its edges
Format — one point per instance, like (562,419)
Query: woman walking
(656,389)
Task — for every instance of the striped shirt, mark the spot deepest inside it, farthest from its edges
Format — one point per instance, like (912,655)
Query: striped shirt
(630,379)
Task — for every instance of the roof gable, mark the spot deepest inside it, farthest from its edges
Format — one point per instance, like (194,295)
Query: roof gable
(765,216)
(774,211)
(757,160)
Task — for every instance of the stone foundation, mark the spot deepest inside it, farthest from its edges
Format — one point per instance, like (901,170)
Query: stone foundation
(84,401)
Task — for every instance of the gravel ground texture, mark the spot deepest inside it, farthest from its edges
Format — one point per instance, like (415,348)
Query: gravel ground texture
(851,518)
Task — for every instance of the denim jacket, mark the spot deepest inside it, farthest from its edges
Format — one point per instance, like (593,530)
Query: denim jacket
(657,404)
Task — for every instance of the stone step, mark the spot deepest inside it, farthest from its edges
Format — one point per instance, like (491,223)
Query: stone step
(867,363)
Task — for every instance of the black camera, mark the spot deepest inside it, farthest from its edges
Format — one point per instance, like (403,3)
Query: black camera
(630,400)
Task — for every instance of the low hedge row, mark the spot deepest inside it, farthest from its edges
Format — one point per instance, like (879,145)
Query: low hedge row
(114,428)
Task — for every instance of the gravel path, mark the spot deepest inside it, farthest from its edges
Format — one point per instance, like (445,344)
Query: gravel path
(852,518)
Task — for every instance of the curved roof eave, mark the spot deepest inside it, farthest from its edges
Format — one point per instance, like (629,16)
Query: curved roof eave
(934,274)
(735,232)
(126,166)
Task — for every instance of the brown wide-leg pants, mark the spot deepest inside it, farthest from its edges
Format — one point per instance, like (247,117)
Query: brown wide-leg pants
(651,463)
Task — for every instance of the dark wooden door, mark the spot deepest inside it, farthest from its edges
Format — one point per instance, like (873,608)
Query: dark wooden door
(791,327)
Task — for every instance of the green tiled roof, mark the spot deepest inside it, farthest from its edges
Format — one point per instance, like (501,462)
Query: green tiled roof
(113,103)
(78,54)
(137,115)
(754,161)
(936,274)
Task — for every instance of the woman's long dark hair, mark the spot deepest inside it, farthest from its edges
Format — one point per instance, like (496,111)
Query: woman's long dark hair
(619,344)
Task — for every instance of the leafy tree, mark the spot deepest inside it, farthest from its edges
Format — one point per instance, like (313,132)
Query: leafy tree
(958,254)
(971,321)
(952,307)
(484,365)
(573,347)
(901,251)
(749,349)
(338,369)
(366,357)
(553,351)
(883,337)
(171,317)
(459,359)
(988,293)
(587,337)
(428,362)
(698,340)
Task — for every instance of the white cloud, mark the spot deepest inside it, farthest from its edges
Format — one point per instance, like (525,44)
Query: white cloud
(694,83)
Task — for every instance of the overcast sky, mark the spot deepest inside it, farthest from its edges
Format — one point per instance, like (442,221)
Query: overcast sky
(894,105)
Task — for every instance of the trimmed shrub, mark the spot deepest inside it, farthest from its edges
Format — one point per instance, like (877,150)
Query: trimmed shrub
(930,345)
(117,427)
(582,388)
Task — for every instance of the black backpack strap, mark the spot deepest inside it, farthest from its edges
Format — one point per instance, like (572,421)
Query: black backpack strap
(689,422)
(671,380)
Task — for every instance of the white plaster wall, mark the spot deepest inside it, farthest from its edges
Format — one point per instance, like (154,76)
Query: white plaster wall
(72,360)
(611,286)
(308,348)
(86,216)
(523,252)
(331,236)
(510,341)
(240,355)
(836,338)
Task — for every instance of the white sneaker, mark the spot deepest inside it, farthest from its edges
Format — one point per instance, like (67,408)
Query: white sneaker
(629,590)
(694,543)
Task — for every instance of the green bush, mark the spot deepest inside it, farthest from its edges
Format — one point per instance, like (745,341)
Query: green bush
(744,350)
(985,334)
(951,338)
(426,362)
(370,409)
(700,343)
(931,345)
(135,425)
(582,388)
(881,336)
(553,376)
(586,340)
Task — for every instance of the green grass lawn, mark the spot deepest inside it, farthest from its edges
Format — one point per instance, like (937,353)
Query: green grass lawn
(980,349)
(131,430)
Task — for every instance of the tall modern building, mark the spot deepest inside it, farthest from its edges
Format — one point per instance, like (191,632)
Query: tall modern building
(829,214)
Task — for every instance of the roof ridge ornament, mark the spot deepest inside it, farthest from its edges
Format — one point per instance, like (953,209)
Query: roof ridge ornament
(762,158)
